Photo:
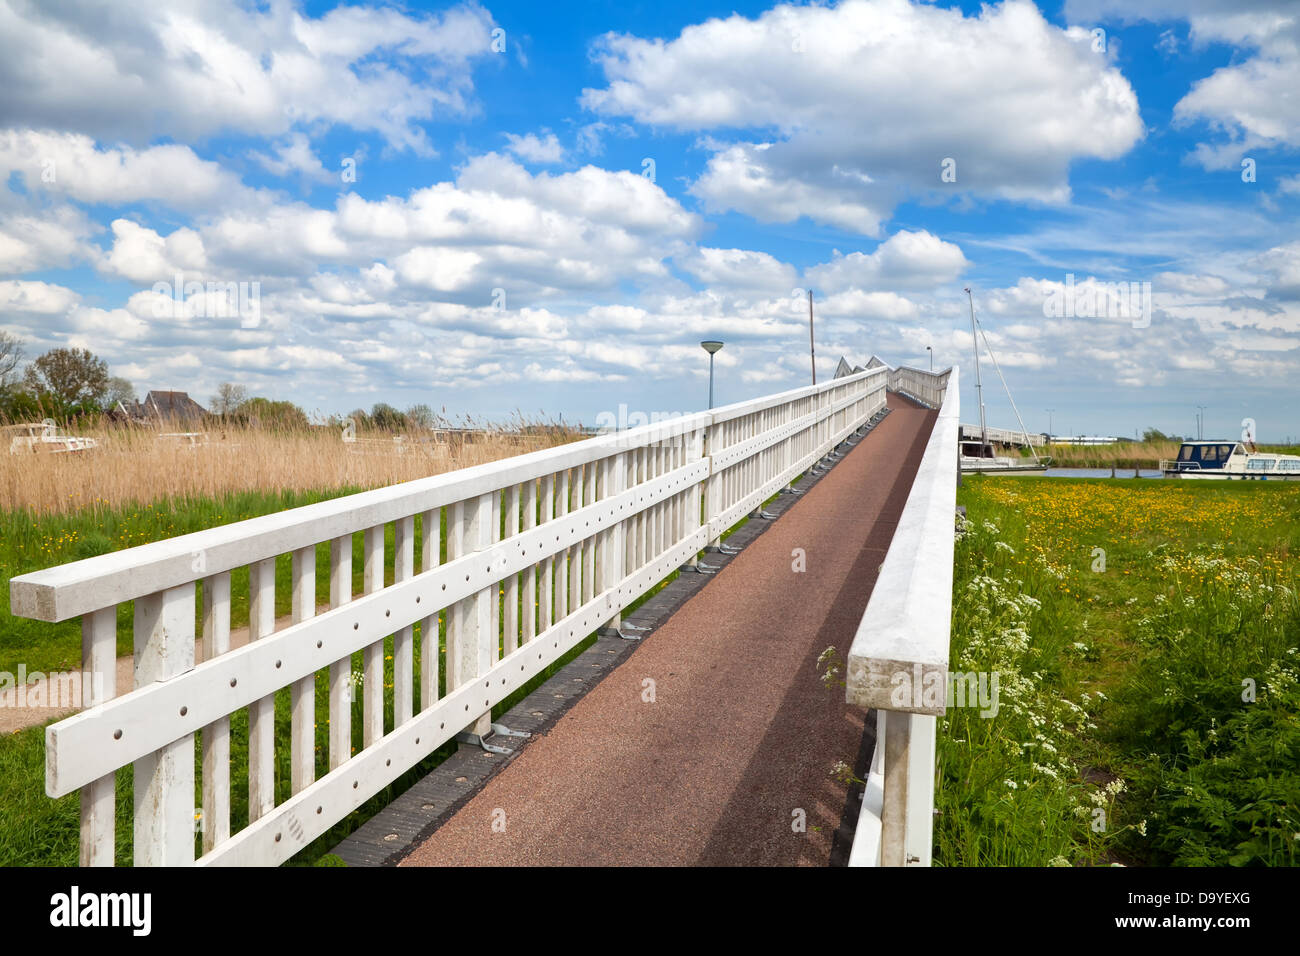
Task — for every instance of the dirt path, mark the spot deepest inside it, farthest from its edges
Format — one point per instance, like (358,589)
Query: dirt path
(732,744)
(16,712)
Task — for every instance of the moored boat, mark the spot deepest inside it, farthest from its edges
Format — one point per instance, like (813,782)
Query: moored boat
(43,438)
(979,456)
(1228,460)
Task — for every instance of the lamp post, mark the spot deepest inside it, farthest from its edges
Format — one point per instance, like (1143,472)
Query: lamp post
(711,347)
(1049,422)
(930,349)
(1200,422)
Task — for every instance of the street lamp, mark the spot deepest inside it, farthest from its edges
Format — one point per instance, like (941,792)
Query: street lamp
(930,349)
(1049,422)
(1200,422)
(711,347)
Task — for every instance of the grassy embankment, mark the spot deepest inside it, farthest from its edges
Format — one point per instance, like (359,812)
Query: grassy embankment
(1145,636)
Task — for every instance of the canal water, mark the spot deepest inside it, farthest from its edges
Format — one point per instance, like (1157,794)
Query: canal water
(1088,473)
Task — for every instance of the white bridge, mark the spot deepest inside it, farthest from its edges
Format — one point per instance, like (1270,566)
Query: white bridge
(520,560)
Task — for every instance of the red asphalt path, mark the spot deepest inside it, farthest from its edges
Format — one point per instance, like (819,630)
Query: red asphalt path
(741,735)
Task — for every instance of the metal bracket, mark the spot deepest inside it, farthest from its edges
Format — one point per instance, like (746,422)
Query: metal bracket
(618,632)
(791,491)
(479,740)
(700,568)
(760,513)
(727,549)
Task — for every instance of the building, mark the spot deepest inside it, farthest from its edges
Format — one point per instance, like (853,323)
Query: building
(159,406)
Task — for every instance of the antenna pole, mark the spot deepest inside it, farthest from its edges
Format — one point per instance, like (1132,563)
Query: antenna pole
(979,387)
(812,350)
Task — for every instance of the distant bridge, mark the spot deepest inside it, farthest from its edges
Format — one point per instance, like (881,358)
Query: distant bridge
(1004,436)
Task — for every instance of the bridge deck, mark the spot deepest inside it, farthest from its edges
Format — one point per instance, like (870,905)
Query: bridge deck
(742,733)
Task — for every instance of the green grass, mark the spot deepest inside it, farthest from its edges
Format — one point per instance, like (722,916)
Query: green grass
(1127,621)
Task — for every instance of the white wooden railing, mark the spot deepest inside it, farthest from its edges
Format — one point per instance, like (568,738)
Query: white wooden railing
(541,551)
(926,387)
(1002,436)
(898,663)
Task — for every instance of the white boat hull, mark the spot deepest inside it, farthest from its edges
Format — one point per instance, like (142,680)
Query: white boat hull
(1228,476)
(998,465)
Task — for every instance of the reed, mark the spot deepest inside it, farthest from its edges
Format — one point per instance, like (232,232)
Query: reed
(1119,455)
(136,465)
(1147,454)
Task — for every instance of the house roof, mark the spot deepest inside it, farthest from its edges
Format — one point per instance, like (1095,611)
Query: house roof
(174,404)
(164,404)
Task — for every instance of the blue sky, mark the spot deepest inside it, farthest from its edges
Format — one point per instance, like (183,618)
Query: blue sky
(553,204)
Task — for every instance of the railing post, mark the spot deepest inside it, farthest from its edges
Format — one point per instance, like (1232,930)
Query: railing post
(164,780)
(216,736)
(302,696)
(918,842)
(893,817)
(404,639)
(261,713)
(712,484)
(469,650)
(340,671)
(614,483)
(430,658)
(99,684)
(372,658)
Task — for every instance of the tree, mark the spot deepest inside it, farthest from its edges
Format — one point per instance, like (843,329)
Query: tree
(1154,434)
(17,405)
(228,399)
(421,416)
(269,414)
(11,354)
(386,417)
(74,378)
(119,390)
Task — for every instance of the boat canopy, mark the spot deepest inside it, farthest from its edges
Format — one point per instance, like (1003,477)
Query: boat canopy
(1207,454)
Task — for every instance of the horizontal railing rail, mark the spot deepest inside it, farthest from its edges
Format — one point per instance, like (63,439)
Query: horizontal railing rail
(1002,436)
(540,551)
(898,662)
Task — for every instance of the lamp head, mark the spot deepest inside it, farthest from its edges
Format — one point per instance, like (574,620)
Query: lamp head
(710,346)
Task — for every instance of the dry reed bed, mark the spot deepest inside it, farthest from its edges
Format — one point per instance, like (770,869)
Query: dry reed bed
(136,466)
(1119,455)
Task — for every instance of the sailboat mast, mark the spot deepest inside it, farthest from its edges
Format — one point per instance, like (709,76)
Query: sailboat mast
(979,385)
